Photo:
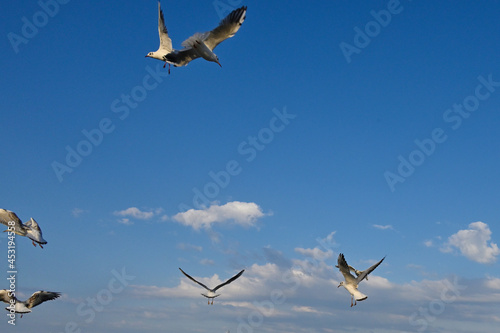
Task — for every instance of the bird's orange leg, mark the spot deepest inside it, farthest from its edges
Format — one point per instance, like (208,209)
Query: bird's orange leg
(165,64)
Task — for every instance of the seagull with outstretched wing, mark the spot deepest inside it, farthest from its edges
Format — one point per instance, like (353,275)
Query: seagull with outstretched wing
(351,282)
(211,294)
(198,45)
(30,229)
(23,307)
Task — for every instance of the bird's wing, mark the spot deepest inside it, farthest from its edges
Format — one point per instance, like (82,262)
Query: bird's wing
(229,281)
(227,28)
(189,277)
(40,297)
(4,296)
(352,269)
(165,41)
(365,273)
(34,232)
(29,224)
(344,269)
(7,216)
(182,57)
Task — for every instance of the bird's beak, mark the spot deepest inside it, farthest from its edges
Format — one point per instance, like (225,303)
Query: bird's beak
(219,63)
(339,286)
(147,56)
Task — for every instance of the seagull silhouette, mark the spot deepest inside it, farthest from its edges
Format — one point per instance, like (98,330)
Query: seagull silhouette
(211,294)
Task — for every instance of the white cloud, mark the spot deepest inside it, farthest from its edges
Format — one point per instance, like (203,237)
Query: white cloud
(432,242)
(493,283)
(242,213)
(379,282)
(428,243)
(306,309)
(135,213)
(125,221)
(315,253)
(383,227)
(474,243)
(328,239)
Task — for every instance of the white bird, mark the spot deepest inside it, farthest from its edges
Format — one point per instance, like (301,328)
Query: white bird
(25,306)
(29,229)
(351,282)
(198,45)
(212,292)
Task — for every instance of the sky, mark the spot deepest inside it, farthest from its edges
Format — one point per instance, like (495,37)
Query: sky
(368,128)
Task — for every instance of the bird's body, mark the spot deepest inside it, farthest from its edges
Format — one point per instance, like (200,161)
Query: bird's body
(351,282)
(23,307)
(30,229)
(212,293)
(198,45)
(353,290)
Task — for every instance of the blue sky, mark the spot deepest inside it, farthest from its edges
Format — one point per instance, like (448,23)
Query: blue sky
(363,128)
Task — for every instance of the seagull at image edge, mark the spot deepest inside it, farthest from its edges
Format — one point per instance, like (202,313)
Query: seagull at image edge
(29,229)
(23,307)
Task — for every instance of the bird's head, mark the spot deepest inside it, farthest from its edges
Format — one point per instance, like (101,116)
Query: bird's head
(341,284)
(214,58)
(217,61)
(150,54)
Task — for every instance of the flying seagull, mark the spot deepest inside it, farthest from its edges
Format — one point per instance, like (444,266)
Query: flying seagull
(198,45)
(29,229)
(23,307)
(351,282)
(211,294)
